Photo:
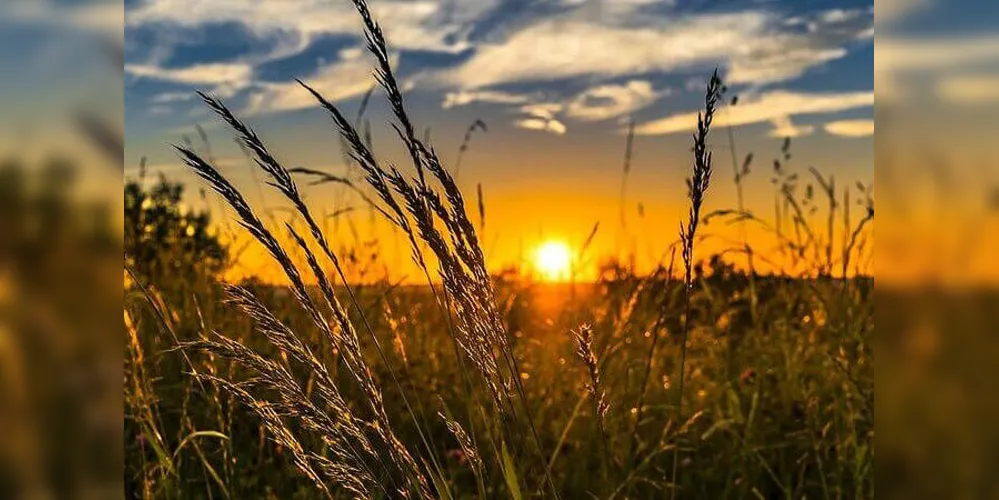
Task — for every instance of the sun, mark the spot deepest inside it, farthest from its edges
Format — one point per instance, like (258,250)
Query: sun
(553,260)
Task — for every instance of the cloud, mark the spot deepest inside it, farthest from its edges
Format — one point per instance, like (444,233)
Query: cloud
(337,81)
(912,54)
(757,46)
(199,74)
(340,80)
(597,103)
(417,25)
(424,25)
(896,59)
(617,47)
(169,97)
(351,53)
(784,127)
(551,125)
(465,97)
(542,116)
(611,101)
(594,104)
(851,128)
(969,89)
(159,110)
(776,107)
(617,5)
(544,110)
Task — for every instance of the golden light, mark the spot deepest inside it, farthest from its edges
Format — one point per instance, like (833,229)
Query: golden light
(553,261)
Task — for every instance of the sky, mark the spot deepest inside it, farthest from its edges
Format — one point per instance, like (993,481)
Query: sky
(937,80)
(556,70)
(55,66)
(556,82)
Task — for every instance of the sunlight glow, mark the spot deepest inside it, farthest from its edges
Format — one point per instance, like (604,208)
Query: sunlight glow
(553,261)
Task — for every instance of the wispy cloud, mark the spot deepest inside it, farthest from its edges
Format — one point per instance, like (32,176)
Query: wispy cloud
(776,107)
(851,128)
(897,59)
(545,110)
(348,77)
(542,117)
(171,97)
(199,74)
(601,102)
(541,124)
(784,127)
(417,25)
(337,81)
(466,97)
(289,29)
(757,47)
(611,101)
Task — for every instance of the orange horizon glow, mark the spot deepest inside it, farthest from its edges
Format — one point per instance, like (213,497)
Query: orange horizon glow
(384,255)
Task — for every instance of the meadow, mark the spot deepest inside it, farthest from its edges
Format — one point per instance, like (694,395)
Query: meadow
(701,378)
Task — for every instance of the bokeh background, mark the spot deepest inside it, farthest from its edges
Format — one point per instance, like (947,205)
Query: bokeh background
(61,129)
(936,171)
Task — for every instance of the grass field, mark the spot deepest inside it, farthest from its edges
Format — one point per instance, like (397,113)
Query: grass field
(698,379)
(777,407)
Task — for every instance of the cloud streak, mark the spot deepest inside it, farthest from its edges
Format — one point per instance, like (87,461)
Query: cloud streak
(611,101)
(414,25)
(777,107)
(337,81)
(784,127)
(465,98)
(896,59)
(199,74)
(758,47)
(851,128)
(541,124)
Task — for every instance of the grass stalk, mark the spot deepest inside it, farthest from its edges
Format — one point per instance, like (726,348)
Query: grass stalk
(697,186)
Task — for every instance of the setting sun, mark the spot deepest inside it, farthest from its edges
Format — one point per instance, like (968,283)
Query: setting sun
(553,260)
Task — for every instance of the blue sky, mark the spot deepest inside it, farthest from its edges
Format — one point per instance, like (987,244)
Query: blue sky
(54,68)
(557,82)
(551,66)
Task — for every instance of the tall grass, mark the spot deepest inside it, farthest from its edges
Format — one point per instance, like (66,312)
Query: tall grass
(697,187)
